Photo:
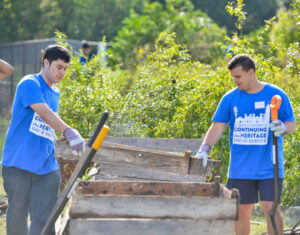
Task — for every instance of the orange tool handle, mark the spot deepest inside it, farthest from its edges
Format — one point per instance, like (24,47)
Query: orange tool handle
(275,105)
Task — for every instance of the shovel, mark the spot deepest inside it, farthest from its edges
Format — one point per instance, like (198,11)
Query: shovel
(94,144)
(275,105)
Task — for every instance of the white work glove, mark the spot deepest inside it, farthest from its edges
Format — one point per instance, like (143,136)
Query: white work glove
(76,142)
(203,153)
(278,128)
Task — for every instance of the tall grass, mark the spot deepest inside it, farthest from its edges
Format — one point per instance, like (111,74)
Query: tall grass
(4,123)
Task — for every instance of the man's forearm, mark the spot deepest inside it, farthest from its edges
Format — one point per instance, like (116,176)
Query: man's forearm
(51,118)
(214,133)
(5,69)
(291,126)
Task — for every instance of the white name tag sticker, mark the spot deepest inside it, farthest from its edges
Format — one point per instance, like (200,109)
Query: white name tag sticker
(260,105)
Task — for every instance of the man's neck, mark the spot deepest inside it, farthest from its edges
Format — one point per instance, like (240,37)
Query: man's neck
(44,76)
(256,87)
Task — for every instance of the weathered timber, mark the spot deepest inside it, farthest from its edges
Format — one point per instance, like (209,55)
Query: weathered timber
(62,221)
(140,207)
(149,227)
(115,188)
(133,173)
(116,154)
(166,145)
(128,156)
(196,167)
(88,206)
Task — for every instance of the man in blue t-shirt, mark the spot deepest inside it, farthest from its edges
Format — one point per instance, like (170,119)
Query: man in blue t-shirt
(247,111)
(30,171)
(87,53)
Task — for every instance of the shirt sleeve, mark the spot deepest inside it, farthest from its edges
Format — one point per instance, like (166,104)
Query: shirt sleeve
(30,92)
(222,113)
(285,112)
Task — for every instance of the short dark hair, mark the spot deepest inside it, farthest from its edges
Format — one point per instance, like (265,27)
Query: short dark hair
(243,60)
(85,44)
(56,52)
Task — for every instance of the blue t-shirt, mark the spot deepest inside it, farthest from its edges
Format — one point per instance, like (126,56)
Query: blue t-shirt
(83,59)
(248,115)
(29,143)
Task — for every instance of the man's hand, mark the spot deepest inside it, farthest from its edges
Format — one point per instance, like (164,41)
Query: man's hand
(77,143)
(203,153)
(278,128)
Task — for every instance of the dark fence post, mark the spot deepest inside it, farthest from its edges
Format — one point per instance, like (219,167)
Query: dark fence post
(11,97)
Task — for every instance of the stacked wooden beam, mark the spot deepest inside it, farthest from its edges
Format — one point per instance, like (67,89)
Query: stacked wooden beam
(149,186)
(123,162)
(128,207)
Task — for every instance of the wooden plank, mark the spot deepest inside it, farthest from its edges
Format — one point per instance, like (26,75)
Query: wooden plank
(128,156)
(115,154)
(196,167)
(150,227)
(152,207)
(166,145)
(148,174)
(62,221)
(146,188)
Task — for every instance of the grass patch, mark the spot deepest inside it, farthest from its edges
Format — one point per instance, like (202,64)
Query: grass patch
(4,123)
(257,228)
(2,217)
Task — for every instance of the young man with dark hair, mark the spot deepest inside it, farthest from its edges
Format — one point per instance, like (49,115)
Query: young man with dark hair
(30,171)
(247,111)
(87,52)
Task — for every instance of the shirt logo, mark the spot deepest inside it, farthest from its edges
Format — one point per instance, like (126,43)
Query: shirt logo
(251,129)
(39,127)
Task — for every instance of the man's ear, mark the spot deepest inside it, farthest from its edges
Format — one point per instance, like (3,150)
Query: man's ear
(251,72)
(46,63)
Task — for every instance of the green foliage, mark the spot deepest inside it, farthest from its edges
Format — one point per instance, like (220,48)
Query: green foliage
(136,38)
(174,97)
(286,30)
(19,19)
(238,12)
(79,19)
(170,95)
(93,19)
(279,34)
(86,94)
(257,12)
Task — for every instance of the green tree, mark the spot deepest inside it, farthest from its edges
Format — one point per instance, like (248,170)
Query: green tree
(19,20)
(286,29)
(257,12)
(92,19)
(136,39)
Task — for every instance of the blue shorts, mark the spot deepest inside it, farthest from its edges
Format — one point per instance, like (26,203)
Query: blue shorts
(250,189)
